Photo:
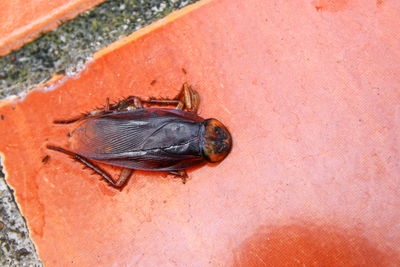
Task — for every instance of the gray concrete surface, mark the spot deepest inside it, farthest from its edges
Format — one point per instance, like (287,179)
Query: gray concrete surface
(16,249)
(63,50)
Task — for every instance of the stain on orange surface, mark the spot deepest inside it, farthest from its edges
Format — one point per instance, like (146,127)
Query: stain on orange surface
(330,5)
(379,2)
(310,245)
(23,20)
(311,101)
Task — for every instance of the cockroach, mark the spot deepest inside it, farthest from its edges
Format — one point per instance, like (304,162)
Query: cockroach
(138,134)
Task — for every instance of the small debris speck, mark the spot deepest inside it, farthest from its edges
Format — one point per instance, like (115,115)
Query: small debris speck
(45,159)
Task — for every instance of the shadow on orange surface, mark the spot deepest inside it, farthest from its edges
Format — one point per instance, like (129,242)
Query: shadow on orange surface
(23,20)
(310,98)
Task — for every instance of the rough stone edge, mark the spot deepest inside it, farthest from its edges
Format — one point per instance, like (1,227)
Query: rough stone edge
(16,246)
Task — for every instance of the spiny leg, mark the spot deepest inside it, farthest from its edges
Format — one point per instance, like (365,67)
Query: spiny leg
(118,184)
(182,174)
(124,177)
(107,107)
(129,103)
(83,116)
(164,102)
(188,99)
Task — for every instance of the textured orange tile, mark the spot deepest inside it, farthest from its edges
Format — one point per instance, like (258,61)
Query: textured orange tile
(23,20)
(311,98)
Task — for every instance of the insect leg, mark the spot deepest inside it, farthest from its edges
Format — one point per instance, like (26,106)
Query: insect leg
(92,166)
(182,174)
(124,177)
(107,107)
(129,103)
(188,99)
(93,113)
(165,102)
(84,116)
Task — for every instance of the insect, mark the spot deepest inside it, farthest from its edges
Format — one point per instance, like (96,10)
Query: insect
(135,135)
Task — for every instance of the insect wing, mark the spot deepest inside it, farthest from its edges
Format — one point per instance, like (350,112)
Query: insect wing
(141,139)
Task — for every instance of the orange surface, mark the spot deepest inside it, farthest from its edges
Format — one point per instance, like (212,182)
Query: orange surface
(23,20)
(310,94)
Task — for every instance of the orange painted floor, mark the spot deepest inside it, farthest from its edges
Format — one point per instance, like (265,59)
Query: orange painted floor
(310,94)
(23,20)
